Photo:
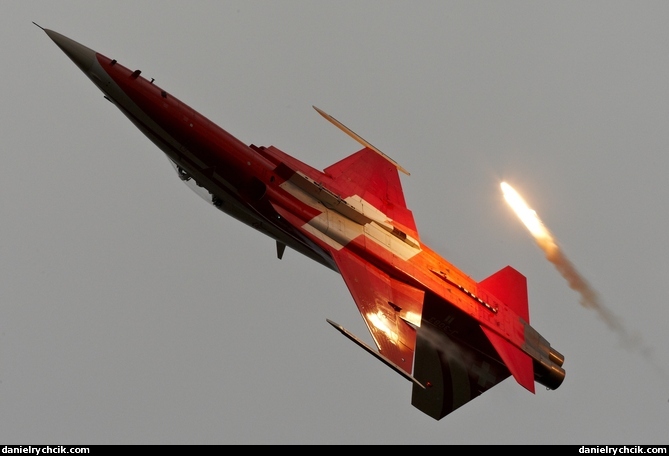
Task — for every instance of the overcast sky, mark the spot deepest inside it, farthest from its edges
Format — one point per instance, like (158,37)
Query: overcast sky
(132,312)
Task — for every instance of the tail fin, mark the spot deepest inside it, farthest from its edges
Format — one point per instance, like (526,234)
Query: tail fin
(536,360)
(509,286)
(454,374)
(518,362)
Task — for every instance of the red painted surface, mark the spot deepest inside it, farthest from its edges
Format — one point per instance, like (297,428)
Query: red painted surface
(429,320)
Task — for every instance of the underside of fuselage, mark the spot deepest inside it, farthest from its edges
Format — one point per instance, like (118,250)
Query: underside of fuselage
(453,358)
(202,178)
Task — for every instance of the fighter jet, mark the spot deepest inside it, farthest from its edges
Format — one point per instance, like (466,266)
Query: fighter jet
(452,337)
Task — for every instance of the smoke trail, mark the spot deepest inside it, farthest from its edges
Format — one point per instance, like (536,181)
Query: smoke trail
(448,350)
(588,296)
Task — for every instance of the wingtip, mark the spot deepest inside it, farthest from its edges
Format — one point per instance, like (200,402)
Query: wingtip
(358,138)
(320,111)
(334,324)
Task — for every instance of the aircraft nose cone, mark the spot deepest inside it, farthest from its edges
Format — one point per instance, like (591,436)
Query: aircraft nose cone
(82,56)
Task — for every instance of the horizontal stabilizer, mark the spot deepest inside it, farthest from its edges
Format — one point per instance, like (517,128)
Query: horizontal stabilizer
(517,361)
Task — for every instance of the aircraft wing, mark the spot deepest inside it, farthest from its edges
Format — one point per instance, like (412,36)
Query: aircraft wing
(391,309)
(374,179)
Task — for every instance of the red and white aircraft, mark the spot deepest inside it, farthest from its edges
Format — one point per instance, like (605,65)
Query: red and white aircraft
(451,336)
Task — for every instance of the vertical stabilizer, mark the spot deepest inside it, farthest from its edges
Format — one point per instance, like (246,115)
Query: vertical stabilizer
(509,286)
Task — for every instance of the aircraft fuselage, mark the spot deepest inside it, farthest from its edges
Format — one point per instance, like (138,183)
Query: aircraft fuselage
(331,217)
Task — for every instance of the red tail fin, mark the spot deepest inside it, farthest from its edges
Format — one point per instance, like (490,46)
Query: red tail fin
(510,287)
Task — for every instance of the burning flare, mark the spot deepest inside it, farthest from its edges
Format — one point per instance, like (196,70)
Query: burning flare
(576,282)
(531,220)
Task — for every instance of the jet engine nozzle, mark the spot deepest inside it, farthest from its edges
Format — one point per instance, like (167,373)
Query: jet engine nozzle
(548,373)
(556,357)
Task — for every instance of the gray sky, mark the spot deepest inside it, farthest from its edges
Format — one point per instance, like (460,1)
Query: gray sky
(133,312)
